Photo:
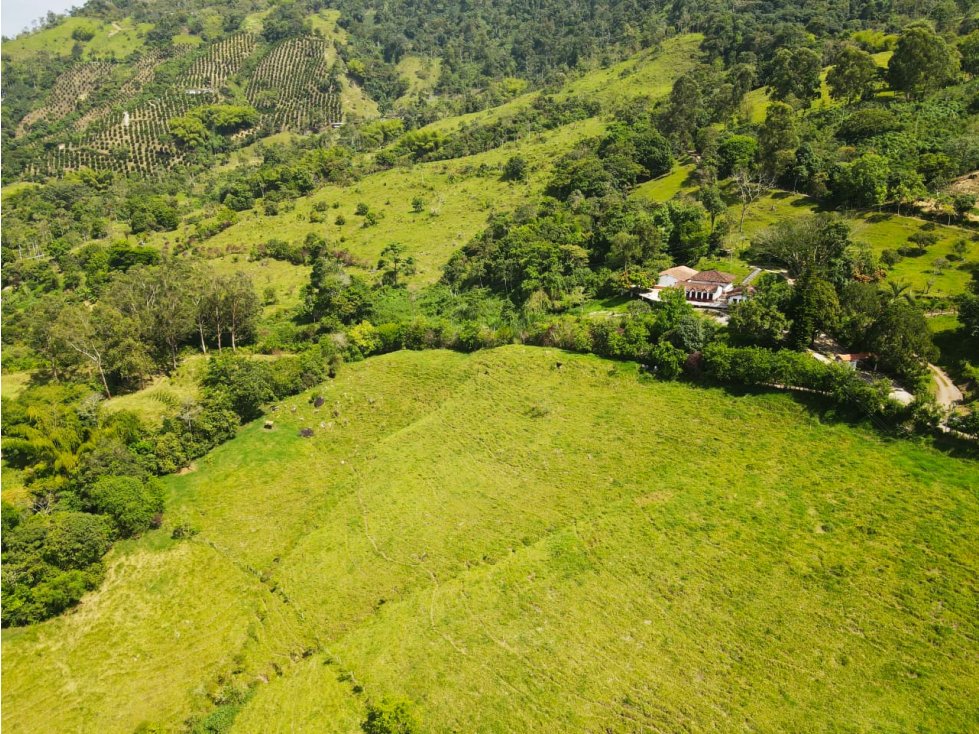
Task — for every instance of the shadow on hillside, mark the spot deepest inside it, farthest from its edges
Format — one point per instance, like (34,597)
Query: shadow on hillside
(821,410)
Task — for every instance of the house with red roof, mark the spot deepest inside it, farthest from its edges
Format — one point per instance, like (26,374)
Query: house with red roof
(704,288)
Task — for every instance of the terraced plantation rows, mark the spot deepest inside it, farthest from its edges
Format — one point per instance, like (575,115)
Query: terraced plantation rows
(143,70)
(221,61)
(134,141)
(70,91)
(291,85)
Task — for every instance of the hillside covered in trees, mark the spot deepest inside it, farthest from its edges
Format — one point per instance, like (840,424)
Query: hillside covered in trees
(212,208)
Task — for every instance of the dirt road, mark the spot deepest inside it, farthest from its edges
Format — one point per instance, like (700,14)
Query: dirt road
(946,393)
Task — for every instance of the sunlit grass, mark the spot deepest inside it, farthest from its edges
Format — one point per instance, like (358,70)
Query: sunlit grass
(528,540)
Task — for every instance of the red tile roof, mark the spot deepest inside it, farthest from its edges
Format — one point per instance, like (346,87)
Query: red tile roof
(712,276)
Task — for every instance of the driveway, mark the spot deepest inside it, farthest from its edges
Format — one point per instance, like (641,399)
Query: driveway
(946,393)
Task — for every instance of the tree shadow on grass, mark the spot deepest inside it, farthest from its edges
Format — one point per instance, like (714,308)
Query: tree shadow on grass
(824,411)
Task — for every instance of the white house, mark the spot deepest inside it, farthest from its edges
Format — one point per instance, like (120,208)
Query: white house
(672,276)
(708,288)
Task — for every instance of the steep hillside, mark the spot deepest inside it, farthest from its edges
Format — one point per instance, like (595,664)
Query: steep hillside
(512,541)
(113,107)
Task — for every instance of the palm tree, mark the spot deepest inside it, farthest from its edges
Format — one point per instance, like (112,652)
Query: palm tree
(898,292)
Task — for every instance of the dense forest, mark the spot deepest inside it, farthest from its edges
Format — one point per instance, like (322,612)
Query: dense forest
(108,282)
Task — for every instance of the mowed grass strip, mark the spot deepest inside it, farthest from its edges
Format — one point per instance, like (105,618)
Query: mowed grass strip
(528,540)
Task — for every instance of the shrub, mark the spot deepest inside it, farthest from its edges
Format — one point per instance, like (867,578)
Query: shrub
(666,361)
(515,168)
(390,717)
(924,238)
(129,501)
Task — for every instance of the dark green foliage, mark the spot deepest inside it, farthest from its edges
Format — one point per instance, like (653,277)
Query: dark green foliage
(737,152)
(922,62)
(969,49)
(793,74)
(814,308)
(853,76)
(131,502)
(122,256)
(532,252)
(900,338)
(866,123)
(666,361)
(811,245)
(642,144)
(390,717)
(689,231)
(692,333)
(153,213)
(761,320)
(286,20)
(189,131)
(49,562)
(751,366)
(334,294)
(515,169)
(241,384)
(225,118)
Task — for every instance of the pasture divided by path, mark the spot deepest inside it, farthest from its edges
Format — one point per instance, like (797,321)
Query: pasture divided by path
(526,540)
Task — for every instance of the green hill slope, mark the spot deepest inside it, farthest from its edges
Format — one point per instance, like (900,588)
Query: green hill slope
(526,540)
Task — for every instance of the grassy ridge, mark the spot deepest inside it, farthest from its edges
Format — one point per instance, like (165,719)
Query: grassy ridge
(516,546)
(119,39)
(649,74)
(458,199)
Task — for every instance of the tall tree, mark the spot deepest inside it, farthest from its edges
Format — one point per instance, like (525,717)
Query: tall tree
(922,62)
(815,307)
(794,75)
(158,300)
(684,111)
(242,306)
(107,340)
(853,76)
(394,263)
(778,139)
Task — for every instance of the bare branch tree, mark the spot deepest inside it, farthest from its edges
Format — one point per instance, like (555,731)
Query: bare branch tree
(750,186)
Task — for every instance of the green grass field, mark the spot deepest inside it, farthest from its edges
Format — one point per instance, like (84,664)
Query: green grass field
(118,39)
(458,196)
(421,74)
(650,74)
(516,546)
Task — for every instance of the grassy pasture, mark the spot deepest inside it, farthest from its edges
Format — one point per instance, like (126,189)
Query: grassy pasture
(420,73)
(649,74)
(458,200)
(120,39)
(882,231)
(515,546)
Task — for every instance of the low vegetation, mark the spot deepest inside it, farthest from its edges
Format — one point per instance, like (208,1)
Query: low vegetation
(336,340)
(483,508)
